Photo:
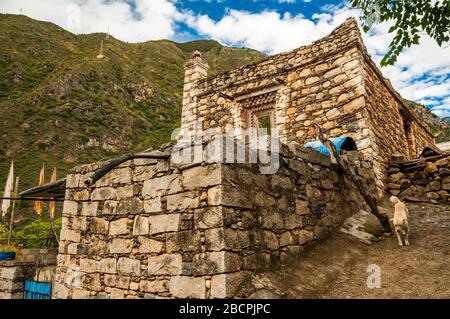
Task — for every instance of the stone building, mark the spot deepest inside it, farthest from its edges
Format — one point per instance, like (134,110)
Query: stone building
(333,82)
(31,264)
(155,228)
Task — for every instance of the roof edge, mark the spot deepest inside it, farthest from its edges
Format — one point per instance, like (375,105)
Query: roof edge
(350,22)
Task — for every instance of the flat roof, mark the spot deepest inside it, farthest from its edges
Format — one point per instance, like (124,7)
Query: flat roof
(55,190)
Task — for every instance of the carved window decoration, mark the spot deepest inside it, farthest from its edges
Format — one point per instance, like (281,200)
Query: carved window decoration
(258,100)
(260,111)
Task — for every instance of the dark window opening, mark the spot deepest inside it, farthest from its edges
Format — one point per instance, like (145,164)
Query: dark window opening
(408,134)
(348,145)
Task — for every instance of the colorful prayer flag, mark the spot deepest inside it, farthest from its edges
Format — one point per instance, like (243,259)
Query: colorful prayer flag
(52,203)
(38,204)
(8,190)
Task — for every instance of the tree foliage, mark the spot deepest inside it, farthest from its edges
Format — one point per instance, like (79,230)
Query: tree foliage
(412,19)
(3,230)
(37,229)
(31,234)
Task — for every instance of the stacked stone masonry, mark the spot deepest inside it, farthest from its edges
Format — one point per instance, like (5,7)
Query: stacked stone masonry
(426,180)
(30,264)
(12,277)
(153,229)
(332,83)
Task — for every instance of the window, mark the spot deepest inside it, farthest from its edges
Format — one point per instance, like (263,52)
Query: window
(264,124)
(262,120)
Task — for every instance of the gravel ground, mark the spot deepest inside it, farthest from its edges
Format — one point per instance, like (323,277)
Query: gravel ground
(337,268)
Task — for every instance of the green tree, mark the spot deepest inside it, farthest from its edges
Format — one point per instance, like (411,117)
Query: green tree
(412,19)
(3,231)
(38,228)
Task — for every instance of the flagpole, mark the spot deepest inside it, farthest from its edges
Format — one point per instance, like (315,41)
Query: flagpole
(9,188)
(11,222)
(52,225)
(52,207)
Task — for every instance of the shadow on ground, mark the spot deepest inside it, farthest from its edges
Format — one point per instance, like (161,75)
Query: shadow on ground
(337,268)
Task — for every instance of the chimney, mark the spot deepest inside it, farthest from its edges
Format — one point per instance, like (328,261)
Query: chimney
(196,69)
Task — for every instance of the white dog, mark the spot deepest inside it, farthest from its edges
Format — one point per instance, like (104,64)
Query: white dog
(400,221)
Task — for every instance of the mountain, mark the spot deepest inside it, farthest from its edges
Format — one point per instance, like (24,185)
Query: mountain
(62,106)
(439,126)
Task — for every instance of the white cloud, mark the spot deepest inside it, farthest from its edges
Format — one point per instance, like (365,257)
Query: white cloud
(150,19)
(420,72)
(443,110)
(267,31)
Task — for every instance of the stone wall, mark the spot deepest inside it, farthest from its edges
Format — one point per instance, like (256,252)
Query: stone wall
(333,83)
(268,219)
(31,264)
(12,278)
(425,180)
(156,229)
(387,117)
(319,83)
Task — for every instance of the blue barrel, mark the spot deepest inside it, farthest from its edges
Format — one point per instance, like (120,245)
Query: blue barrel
(37,290)
(8,256)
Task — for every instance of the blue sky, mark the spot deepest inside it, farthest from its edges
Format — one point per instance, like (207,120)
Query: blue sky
(217,9)
(422,73)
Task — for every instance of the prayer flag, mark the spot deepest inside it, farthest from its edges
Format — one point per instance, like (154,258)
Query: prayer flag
(8,190)
(38,204)
(52,203)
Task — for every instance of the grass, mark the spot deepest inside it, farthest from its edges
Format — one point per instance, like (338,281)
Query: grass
(55,96)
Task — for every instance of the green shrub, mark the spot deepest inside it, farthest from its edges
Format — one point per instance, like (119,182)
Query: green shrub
(37,229)
(3,231)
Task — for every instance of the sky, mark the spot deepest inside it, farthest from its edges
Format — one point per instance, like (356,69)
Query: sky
(421,74)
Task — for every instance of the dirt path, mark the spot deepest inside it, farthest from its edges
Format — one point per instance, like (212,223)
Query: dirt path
(337,268)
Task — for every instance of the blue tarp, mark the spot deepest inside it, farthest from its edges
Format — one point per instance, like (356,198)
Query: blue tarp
(37,290)
(339,142)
